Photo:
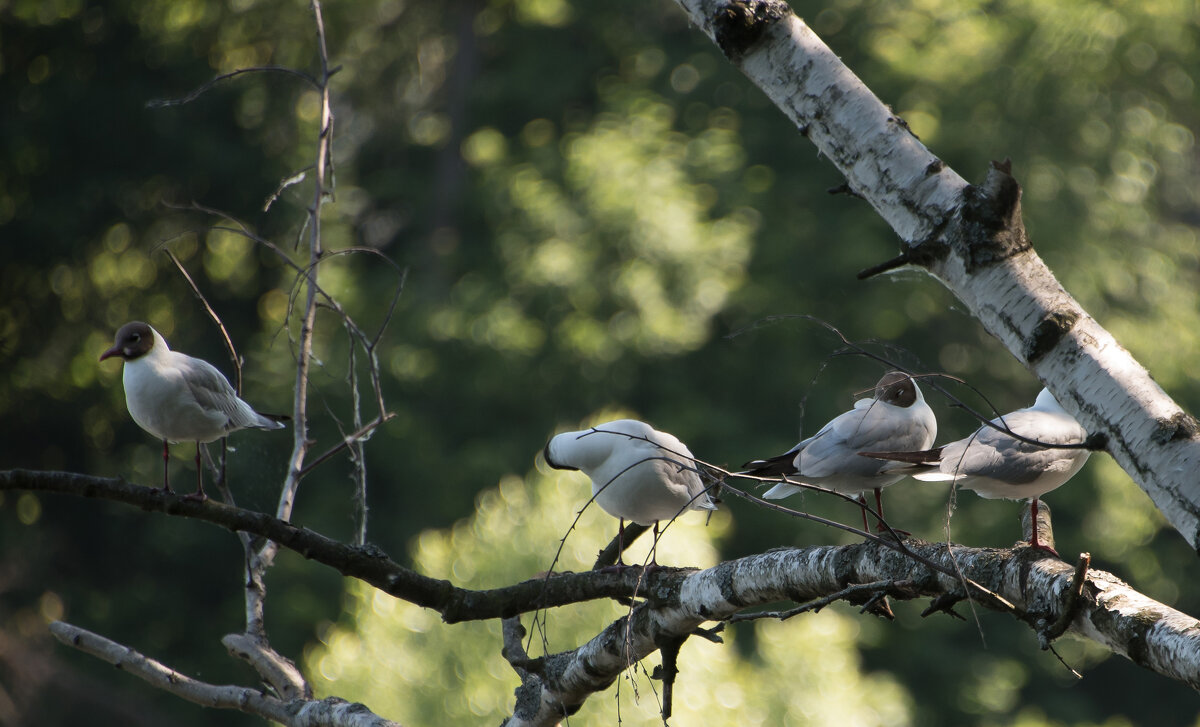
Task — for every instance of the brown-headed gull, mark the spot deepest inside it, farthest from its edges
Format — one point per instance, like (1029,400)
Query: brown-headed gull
(638,473)
(997,465)
(895,419)
(178,398)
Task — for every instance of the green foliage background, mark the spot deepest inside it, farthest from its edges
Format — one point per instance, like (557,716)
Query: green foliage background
(597,213)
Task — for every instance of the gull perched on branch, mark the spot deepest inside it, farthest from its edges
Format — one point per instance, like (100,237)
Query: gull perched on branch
(895,419)
(995,464)
(638,473)
(178,398)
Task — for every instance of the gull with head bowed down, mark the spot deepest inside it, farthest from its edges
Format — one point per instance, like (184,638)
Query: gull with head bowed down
(178,398)
(995,464)
(638,473)
(895,419)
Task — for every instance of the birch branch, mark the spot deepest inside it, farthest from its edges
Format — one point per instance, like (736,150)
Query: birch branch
(331,712)
(972,239)
(1033,587)
(1105,610)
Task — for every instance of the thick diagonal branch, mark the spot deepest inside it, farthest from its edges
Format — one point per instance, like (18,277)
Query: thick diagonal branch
(971,238)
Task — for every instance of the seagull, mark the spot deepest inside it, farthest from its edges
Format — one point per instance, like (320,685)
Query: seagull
(638,473)
(178,398)
(895,419)
(996,465)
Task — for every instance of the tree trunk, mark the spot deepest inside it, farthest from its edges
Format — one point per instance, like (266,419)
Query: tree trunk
(971,238)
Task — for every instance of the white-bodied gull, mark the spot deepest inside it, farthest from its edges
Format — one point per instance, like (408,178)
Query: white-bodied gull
(997,465)
(895,419)
(638,473)
(178,398)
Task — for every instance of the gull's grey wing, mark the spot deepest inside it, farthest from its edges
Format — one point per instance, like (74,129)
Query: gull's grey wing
(213,393)
(993,454)
(870,427)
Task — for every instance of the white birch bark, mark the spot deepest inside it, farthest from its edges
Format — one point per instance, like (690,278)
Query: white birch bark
(1024,584)
(1108,611)
(972,240)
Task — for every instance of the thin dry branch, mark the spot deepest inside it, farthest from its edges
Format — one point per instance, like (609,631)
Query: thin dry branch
(260,562)
(299,712)
(208,85)
(274,668)
(872,590)
(253,644)
(216,319)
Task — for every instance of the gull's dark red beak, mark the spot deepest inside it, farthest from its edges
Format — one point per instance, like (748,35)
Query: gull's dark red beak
(114,351)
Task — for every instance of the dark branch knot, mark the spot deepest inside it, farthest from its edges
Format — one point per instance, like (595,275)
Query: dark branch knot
(1179,426)
(991,218)
(1048,332)
(738,25)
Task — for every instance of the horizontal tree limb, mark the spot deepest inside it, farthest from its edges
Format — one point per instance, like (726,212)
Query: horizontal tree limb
(368,564)
(1106,611)
(1034,587)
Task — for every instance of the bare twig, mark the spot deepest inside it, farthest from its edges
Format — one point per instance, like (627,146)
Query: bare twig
(358,472)
(1070,609)
(212,313)
(858,349)
(296,178)
(201,89)
(300,713)
(260,562)
(883,267)
(367,342)
(363,433)
(669,669)
(944,603)
(513,650)
(876,588)
(274,668)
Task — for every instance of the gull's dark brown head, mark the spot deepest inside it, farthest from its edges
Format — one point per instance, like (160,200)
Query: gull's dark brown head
(896,388)
(133,341)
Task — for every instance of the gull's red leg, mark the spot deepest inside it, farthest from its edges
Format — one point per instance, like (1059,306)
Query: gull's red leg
(1033,531)
(198,495)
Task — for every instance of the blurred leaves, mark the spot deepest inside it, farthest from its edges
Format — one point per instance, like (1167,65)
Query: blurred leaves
(589,200)
(409,666)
